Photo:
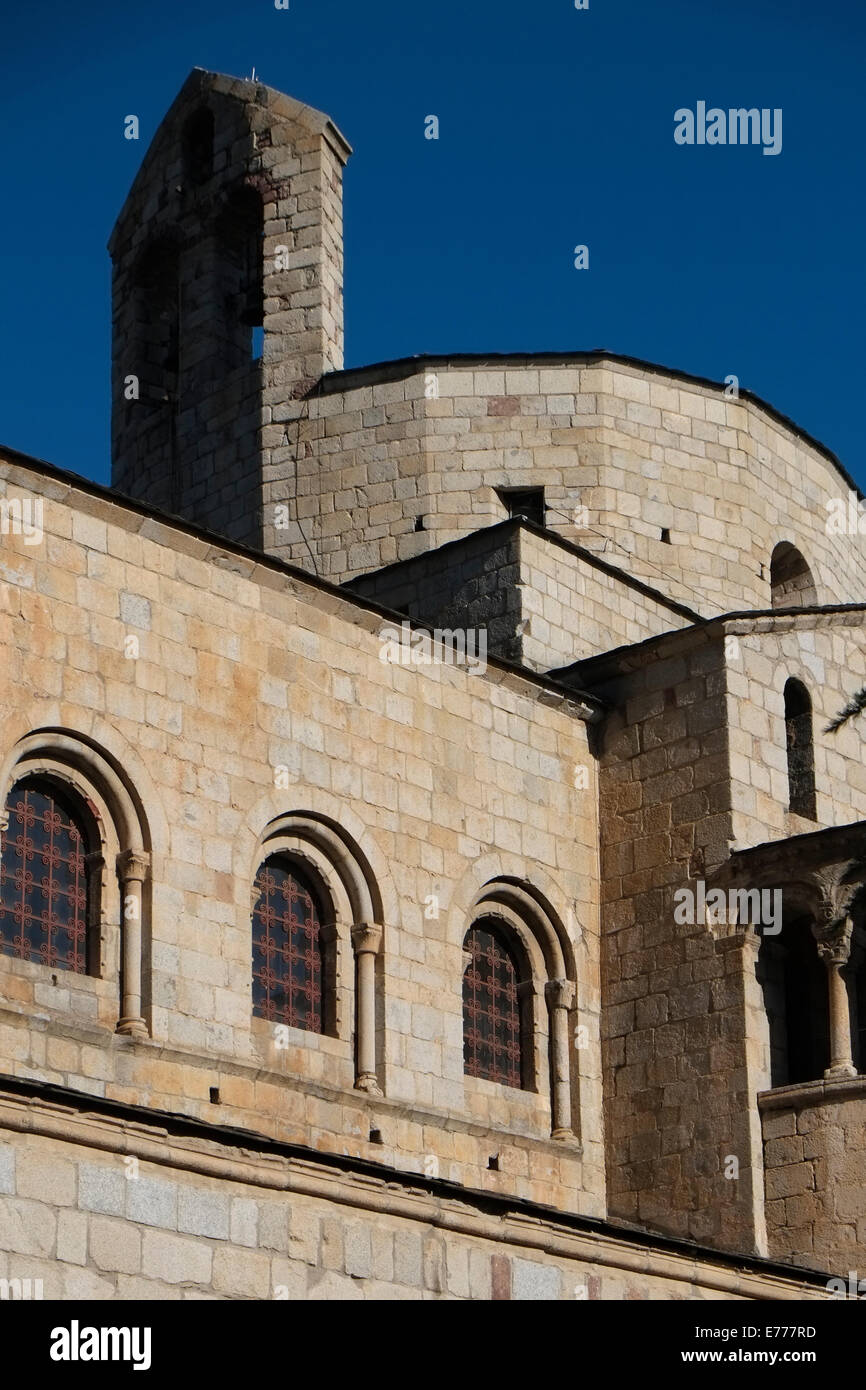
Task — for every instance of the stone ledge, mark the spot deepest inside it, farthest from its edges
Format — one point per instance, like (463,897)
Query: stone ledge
(813,1093)
(102,1037)
(242,1156)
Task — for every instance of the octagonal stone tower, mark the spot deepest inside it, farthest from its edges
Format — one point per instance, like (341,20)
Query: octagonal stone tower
(227,295)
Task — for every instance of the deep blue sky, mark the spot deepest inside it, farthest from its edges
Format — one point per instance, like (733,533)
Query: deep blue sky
(556,129)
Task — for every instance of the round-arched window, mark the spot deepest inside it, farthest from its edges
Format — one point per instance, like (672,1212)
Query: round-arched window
(288,945)
(791,582)
(492,1010)
(44,891)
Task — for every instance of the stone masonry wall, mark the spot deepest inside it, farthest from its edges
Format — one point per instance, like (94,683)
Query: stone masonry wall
(576,610)
(830,659)
(541,603)
(815,1157)
(245,674)
(679,1080)
(472,583)
(642,450)
(212,1221)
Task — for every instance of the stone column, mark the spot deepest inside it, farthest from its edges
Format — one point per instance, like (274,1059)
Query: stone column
(366,939)
(132,868)
(834,949)
(560,998)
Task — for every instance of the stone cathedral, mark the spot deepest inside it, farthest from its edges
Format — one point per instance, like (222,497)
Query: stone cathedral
(427,869)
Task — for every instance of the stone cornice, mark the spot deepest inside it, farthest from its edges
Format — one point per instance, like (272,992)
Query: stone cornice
(381,1108)
(826,1091)
(399,368)
(243,1156)
(819,872)
(593,670)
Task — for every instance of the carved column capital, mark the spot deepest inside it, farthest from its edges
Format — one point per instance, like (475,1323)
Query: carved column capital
(367,938)
(833,938)
(559,993)
(834,943)
(133,865)
(837,886)
(750,941)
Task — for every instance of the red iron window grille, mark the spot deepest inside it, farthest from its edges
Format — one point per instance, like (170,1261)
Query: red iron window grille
(287,949)
(43,880)
(491,1009)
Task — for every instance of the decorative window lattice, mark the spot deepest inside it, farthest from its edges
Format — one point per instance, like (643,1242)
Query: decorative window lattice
(491,1009)
(43,880)
(287,949)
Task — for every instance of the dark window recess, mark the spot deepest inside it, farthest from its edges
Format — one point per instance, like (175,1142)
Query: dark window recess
(666,536)
(527,502)
(855,978)
(492,1024)
(240,230)
(287,948)
(419,523)
(198,147)
(801,756)
(794,983)
(44,898)
(791,581)
(157,316)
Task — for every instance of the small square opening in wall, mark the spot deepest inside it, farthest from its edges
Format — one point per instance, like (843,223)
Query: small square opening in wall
(493,1163)
(375,1136)
(525,502)
(666,536)
(215,1095)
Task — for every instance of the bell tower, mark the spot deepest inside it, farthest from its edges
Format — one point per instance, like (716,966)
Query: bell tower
(227,297)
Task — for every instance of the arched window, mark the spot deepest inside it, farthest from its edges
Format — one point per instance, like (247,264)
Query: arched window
(493,1014)
(46,897)
(198,135)
(240,230)
(791,582)
(291,948)
(801,754)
